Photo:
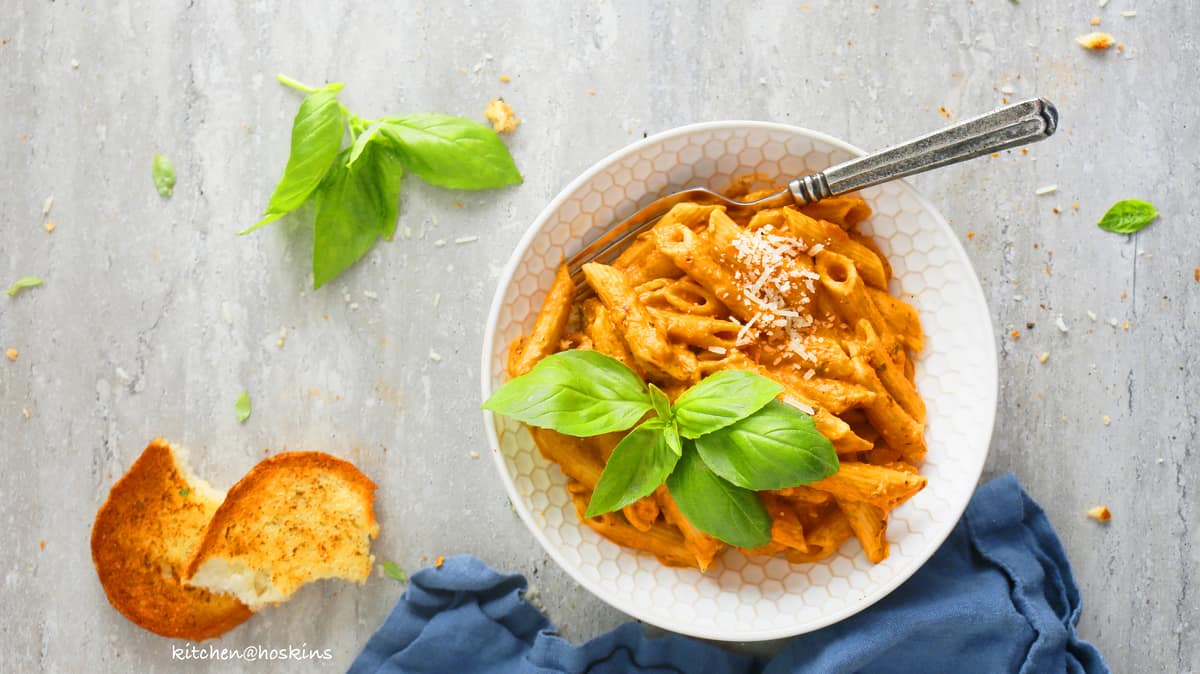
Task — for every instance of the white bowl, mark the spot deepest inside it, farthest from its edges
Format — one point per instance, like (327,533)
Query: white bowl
(742,599)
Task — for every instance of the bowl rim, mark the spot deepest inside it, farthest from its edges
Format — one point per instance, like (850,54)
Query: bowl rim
(939,534)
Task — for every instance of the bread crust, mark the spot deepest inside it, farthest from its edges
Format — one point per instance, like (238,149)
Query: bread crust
(141,545)
(232,532)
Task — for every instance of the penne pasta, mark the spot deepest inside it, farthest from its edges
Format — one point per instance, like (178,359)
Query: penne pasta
(797,295)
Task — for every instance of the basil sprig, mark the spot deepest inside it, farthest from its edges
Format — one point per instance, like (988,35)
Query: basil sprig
(357,189)
(721,441)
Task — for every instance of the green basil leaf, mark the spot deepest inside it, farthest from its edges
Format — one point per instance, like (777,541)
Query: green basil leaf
(361,142)
(1128,216)
(778,446)
(317,134)
(452,152)
(355,206)
(662,407)
(637,466)
(716,507)
(662,404)
(23,283)
(721,399)
(242,407)
(163,172)
(579,393)
(393,569)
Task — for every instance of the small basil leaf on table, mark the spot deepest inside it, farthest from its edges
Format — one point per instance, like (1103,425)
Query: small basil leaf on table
(395,571)
(23,283)
(716,507)
(721,399)
(452,152)
(163,172)
(637,466)
(578,393)
(776,447)
(242,407)
(355,206)
(317,134)
(1128,216)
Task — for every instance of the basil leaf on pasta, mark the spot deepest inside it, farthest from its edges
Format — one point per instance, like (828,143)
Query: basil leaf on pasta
(638,464)
(580,393)
(716,507)
(721,399)
(1128,216)
(778,446)
(662,407)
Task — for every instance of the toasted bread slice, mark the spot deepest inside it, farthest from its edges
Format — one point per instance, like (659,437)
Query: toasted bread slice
(294,518)
(143,539)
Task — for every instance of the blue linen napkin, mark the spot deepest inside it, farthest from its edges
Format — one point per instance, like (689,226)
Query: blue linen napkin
(998,596)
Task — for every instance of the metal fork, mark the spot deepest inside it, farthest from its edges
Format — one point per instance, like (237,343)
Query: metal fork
(1017,124)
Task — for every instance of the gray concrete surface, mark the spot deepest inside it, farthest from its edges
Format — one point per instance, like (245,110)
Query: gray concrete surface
(155,315)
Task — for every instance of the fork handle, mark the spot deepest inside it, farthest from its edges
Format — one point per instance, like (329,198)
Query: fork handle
(1017,124)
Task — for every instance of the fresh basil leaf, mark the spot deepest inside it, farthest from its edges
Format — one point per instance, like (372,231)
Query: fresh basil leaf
(580,393)
(393,569)
(361,142)
(637,466)
(662,407)
(23,283)
(721,399)
(662,404)
(317,134)
(452,152)
(242,407)
(778,446)
(1128,216)
(716,507)
(355,206)
(163,172)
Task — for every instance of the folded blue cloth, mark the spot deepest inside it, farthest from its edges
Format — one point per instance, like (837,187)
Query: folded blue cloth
(998,596)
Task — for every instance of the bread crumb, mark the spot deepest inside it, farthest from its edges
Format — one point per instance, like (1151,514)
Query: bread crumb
(1196,274)
(505,79)
(1075,205)
(474,454)
(1100,513)
(946,113)
(1015,334)
(1106,419)
(1056,210)
(500,114)
(971,235)
(50,226)
(458,204)
(1095,21)
(25,412)
(592,91)
(12,353)
(1095,41)
(1125,325)
(42,544)
(437,564)
(1043,356)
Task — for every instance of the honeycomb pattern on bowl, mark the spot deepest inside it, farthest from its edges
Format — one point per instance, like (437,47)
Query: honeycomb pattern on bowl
(744,599)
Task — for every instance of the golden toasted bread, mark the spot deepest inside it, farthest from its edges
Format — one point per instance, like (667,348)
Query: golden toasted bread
(143,539)
(294,518)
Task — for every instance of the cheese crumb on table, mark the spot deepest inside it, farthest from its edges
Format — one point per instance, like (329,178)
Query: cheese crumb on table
(438,563)
(474,454)
(1106,419)
(1043,356)
(500,114)
(12,353)
(1100,513)
(1095,41)
(50,226)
